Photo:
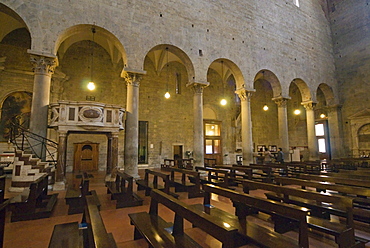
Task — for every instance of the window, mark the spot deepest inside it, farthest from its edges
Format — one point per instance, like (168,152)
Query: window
(296,2)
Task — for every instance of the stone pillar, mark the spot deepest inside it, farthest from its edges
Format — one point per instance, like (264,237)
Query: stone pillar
(198,132)
(247,139)
(112,154)
(132,123)
(43,67)
(335,131)
(61,162)
(281,102)
(311,137)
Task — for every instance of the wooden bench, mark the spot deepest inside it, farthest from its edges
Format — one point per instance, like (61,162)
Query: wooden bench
(159,233)
(359,194)
(215,176)
(90,233)
(321,206)
(336,180)
(209,162)
(3,206)
(33,203)
(183,184)
(287,217)
(150,182)
(121,190)
(77,191)
(277,169)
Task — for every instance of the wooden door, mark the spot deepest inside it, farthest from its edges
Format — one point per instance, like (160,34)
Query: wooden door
(86,156)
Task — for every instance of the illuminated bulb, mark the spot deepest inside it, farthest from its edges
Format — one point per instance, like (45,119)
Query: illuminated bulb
(167,95)
(91,86)
(265,108)
(297,112)
(322,116)
(223,102)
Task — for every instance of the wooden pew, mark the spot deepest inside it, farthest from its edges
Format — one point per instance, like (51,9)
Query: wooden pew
(277,169)
(75,194)
(184,184)
(3,206)
(90,233)
(121,190)
(150,182)
(215,176)
(209,162)
(336,180)
(2,188)
(318,204)
(156,232)
(359,194)
(287,217)
(33,203)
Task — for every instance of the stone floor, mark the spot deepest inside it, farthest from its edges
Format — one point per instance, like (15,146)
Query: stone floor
(37,233)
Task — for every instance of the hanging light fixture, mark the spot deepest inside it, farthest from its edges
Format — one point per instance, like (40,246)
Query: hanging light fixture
(223,101)
(297,112)
(167,94)
(265,107)
(91,84)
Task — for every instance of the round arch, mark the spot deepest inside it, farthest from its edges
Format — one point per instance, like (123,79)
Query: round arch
(304,90)
(101,36)
(161,54)
(328,94)
(271,78)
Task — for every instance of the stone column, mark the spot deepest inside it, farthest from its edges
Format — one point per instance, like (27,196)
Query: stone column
(61,162)
(281,102)
(335,131)
(311,137)
(132,123)
(247,139)
(112,154)
(43,67)
(198,132)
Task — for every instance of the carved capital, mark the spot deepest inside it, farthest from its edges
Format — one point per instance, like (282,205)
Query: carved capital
(132,78)
(310,105)
(244,94)
(197,87)
(281,102)
(43,65)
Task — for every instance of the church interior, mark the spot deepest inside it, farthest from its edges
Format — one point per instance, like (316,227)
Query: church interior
(251,116)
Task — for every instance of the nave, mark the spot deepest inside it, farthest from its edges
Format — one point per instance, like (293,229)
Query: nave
(37,233)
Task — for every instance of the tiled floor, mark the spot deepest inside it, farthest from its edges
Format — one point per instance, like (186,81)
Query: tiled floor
(36,233)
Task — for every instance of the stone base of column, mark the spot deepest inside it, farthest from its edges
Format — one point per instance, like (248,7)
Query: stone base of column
(58,186)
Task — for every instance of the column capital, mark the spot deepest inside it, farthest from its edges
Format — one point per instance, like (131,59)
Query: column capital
(132,77)
(281,101)
(244,93)
(62,133)
(197,87)
(43,64)
(309,105)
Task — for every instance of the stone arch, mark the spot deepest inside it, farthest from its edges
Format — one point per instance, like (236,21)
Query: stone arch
(328,94)
(102,37)
(12,20)
(158,55)
(230,69)
(271,78)
(305,91)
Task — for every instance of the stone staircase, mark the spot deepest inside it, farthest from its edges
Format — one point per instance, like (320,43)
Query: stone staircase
(27,168)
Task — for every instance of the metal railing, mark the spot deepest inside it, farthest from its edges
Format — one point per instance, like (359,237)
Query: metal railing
(24,140)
